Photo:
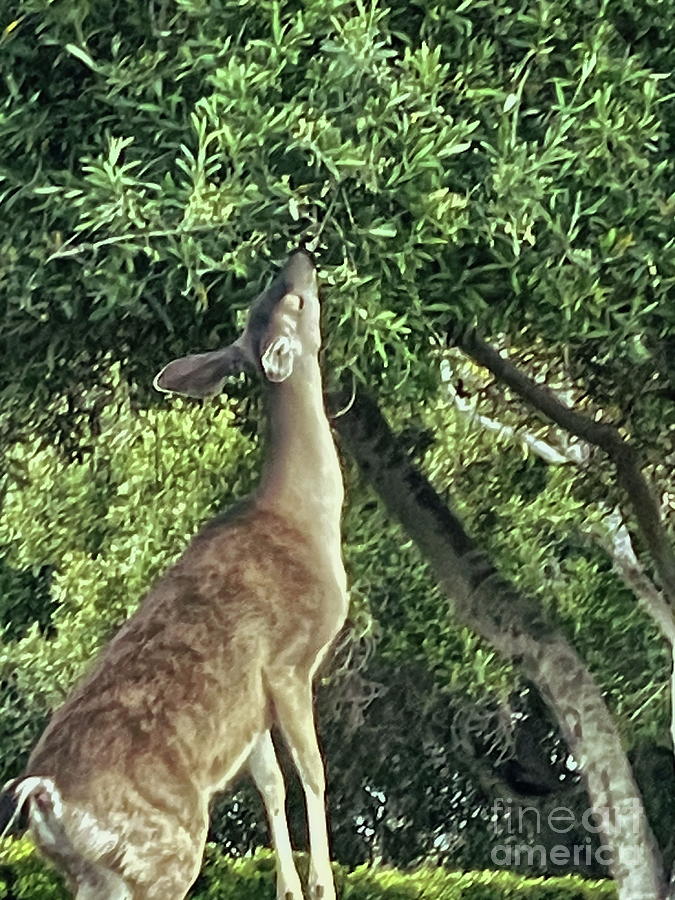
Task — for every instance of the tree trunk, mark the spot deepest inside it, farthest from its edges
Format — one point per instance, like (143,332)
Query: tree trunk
(515,626)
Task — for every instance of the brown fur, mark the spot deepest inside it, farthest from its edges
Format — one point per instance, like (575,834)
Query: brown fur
(173,700)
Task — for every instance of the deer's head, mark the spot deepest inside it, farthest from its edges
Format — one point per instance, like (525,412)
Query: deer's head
(282,329)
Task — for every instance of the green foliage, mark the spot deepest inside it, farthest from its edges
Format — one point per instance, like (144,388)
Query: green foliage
(539,524)
(456,162)
(25,598)
(253,878)
(104,527)
(24,875)
(155,159)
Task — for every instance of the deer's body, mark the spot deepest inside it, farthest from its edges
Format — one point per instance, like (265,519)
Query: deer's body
(223,647)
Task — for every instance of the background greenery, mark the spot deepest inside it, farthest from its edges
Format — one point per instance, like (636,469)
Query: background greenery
(505,164)
(253,878)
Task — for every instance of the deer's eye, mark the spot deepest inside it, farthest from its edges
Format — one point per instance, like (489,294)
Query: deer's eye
(301,302)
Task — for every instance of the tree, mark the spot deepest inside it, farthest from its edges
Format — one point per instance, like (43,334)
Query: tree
(454,164)
(482,599)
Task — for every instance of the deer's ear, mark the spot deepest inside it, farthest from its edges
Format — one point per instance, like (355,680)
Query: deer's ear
(279,356)
(281,343)
(202,374)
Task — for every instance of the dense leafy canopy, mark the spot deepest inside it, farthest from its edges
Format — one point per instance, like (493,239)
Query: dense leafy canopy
(502,162)
(453,162)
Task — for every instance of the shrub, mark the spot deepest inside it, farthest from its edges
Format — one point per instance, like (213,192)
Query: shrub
(23,876)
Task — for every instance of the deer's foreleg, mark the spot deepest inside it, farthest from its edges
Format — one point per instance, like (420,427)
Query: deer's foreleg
(266,774)
(292,697)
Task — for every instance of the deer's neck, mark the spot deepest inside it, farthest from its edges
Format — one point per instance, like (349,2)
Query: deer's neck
(301,475)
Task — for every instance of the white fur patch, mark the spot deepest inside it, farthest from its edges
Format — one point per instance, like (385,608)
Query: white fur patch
(27,787)
(43,822)
(278,358)
(98,840)
(236,766)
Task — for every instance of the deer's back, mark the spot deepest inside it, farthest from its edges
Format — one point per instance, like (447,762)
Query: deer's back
(179,691)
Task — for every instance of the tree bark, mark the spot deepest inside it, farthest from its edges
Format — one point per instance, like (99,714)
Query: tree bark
(515,626)
(606,437)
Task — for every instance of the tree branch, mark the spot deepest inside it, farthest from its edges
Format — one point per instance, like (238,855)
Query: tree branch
(606,437)
(616,540)
(619,546)
(613,534)
(546,451)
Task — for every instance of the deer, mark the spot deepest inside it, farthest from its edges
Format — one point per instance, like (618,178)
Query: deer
(223,648)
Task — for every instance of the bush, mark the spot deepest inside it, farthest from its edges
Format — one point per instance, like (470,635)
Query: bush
(23,876)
